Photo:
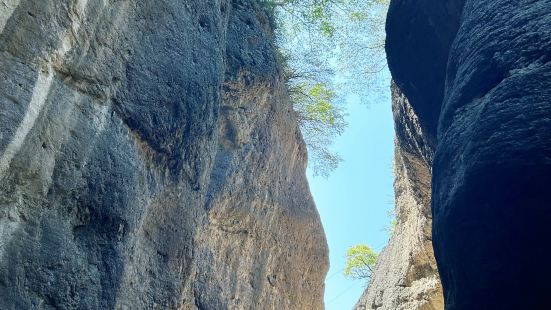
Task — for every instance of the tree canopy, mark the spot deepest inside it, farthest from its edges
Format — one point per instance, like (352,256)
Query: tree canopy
(329,48)
(360,262)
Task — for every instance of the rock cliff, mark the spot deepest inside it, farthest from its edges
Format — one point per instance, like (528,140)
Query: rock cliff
(406,276)
(478,77)
(492,166)
(150,159)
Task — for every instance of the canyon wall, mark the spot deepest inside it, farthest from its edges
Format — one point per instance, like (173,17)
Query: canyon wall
(150,159)
(406,276)
(478,77)
(492,166)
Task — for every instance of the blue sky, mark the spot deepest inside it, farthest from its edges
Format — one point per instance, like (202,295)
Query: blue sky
(355,200)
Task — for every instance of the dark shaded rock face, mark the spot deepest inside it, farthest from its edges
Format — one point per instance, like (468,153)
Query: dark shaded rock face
(150,159)
(419,35)
(492,164)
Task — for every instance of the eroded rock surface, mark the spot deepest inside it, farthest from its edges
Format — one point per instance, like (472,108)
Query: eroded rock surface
(150,159)
(492,168)
(478,76)
(406,276)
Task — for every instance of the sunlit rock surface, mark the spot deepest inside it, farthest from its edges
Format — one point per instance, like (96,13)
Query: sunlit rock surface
(405,276)
(150,159)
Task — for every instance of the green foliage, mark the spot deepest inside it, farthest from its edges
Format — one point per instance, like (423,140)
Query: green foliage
(320,121)
(360,262)
(318,38)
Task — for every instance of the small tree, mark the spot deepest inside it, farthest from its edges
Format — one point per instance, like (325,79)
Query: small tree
(360,262)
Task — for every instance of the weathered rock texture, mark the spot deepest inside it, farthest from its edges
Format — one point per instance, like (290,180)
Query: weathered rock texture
(406,276)
(492,169)
(478,76)
(150,159)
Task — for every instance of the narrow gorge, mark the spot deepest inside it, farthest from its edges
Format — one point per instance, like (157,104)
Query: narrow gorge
(150,158)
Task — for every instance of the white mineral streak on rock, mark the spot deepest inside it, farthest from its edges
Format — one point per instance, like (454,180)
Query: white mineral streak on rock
(40,93)
(7,7)
(41,88)
(9,224)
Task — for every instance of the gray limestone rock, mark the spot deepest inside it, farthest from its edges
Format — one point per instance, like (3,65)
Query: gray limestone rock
(150,159)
